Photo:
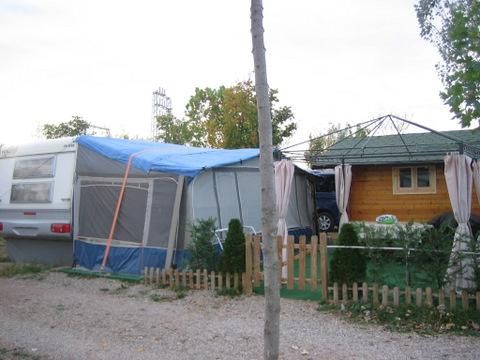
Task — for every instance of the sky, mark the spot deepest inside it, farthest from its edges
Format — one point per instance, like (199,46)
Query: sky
(331,61)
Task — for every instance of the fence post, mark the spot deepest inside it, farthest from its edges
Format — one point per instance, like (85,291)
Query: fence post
(290,263)
(280,258)
(408,295)
(177,279)
(151,274)
(170,278)
(441,297)
(396,296)
(324,265)
(227,280)
(164,277)
(256,261)
(344,294)
(385,295)
(453,299)
(212,280)
(235,281)
(418,297)
(335,293)
(478,300)
(301,264)
(197,280)
(365,292)
(248,265)
(355,292)
(375,294)
(220,281)
(157,277)
(145,277)
(465,300)
(205,279)
(313,263)
(428,296)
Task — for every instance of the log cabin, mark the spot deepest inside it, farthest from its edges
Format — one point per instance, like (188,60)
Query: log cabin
(400,174)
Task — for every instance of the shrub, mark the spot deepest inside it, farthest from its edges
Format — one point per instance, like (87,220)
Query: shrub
(347,265)
(201,248)
(432,256)
(233,257)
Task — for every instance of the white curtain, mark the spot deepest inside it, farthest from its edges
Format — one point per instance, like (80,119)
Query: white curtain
(284,171)
(459,179)
(343,183)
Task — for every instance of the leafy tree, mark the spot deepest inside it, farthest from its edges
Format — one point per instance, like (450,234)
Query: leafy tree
(334,133)
(172,130)
(76,126)
(225,117)
(453,27)
(233,256)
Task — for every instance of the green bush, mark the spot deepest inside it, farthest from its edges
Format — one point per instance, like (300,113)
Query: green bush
(432,256)
(201,248)
(347,265)
(233,257)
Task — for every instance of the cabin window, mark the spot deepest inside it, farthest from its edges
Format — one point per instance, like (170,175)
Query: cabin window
(40,192)
(414,180)
(43,167)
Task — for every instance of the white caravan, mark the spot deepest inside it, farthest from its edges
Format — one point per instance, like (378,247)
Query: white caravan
(36,193)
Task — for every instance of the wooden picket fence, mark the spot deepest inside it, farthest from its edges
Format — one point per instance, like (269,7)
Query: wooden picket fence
(195,280)
(316,249)
(395,297)
(313,281)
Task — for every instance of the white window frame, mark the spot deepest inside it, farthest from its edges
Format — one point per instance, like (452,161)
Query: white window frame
(414,189)
(50,174)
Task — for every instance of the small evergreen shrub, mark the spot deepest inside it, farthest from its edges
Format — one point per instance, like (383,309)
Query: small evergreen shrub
(201,248)
(233,256)
(347,265)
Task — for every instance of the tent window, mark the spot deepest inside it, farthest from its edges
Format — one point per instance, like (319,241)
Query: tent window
(414,180)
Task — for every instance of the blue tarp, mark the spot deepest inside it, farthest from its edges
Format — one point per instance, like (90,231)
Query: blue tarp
(167,158)
(121,260)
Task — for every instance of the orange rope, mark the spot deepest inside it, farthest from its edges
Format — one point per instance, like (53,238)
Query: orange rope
(117,210)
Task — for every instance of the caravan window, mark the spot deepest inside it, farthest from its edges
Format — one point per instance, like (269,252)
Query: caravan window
(31,193)
(34,168)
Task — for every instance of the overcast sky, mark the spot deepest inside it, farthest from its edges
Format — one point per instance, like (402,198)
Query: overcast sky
(332,61)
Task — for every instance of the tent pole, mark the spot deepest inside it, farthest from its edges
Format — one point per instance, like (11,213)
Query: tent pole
(117,211)
(172,236)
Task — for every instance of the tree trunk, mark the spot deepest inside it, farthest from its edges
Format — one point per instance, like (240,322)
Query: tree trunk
(272,285)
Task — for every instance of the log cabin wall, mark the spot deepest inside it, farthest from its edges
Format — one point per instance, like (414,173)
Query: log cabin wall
(372,195)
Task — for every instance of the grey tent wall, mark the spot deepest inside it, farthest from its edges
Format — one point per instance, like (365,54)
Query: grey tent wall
(234,192)
(153,215)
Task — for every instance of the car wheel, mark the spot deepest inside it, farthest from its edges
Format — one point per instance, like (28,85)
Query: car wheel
(325,222)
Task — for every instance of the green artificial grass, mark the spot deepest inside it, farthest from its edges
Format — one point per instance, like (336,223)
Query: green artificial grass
(95,274)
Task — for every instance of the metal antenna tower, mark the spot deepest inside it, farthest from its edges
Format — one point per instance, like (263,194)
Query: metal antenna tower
(161,105)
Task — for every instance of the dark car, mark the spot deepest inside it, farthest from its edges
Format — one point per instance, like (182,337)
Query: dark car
(447,219)
(325,201)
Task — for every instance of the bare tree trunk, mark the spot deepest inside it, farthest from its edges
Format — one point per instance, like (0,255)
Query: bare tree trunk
(272,286)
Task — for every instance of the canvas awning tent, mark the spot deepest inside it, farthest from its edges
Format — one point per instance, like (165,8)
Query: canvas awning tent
(169,186)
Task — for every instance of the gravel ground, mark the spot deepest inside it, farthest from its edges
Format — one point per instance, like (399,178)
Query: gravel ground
(61,317)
